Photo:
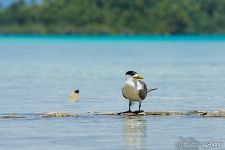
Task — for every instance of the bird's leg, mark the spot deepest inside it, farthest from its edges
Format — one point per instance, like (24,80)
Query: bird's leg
(129,111)
(140,107)
(129,106)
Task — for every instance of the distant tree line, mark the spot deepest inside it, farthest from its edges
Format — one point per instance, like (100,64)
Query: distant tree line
(114,17)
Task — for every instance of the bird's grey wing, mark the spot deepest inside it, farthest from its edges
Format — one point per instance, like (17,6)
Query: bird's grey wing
(143,92)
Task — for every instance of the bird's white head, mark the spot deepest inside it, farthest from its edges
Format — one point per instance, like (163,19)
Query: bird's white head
(133,75)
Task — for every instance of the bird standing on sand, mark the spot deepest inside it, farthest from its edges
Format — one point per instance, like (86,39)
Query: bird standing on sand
(134,89)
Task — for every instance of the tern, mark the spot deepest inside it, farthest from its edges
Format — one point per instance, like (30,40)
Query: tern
(134,89)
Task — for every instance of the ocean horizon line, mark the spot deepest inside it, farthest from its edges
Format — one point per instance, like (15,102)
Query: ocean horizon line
(117,37)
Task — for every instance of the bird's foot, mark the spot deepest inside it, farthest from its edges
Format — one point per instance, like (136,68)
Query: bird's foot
(138,111)
(129,111)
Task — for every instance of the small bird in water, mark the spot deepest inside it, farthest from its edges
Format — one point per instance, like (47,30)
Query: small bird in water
(74,96)
(134,89)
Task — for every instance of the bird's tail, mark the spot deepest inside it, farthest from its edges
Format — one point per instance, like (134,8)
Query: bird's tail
(149,90)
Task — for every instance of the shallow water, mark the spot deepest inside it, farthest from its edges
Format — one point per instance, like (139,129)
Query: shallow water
(38,73)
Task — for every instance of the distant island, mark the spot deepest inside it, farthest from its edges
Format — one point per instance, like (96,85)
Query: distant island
(113,17)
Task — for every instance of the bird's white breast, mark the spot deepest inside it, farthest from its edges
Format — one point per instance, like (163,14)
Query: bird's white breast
(130,90)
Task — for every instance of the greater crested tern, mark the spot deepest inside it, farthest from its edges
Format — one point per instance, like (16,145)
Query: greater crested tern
(134,89)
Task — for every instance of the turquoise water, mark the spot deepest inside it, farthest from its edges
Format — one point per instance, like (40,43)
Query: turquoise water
(38,73)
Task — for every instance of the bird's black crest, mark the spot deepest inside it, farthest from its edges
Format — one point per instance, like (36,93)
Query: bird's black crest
(77,91)
(131,73)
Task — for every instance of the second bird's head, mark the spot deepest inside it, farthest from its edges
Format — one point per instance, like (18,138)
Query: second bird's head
(134,75)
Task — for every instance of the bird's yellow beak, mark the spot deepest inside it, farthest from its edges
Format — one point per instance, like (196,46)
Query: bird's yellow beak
(138,77)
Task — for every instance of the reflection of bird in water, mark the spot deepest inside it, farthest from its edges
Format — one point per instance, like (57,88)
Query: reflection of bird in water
(134,133)
(134,89)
